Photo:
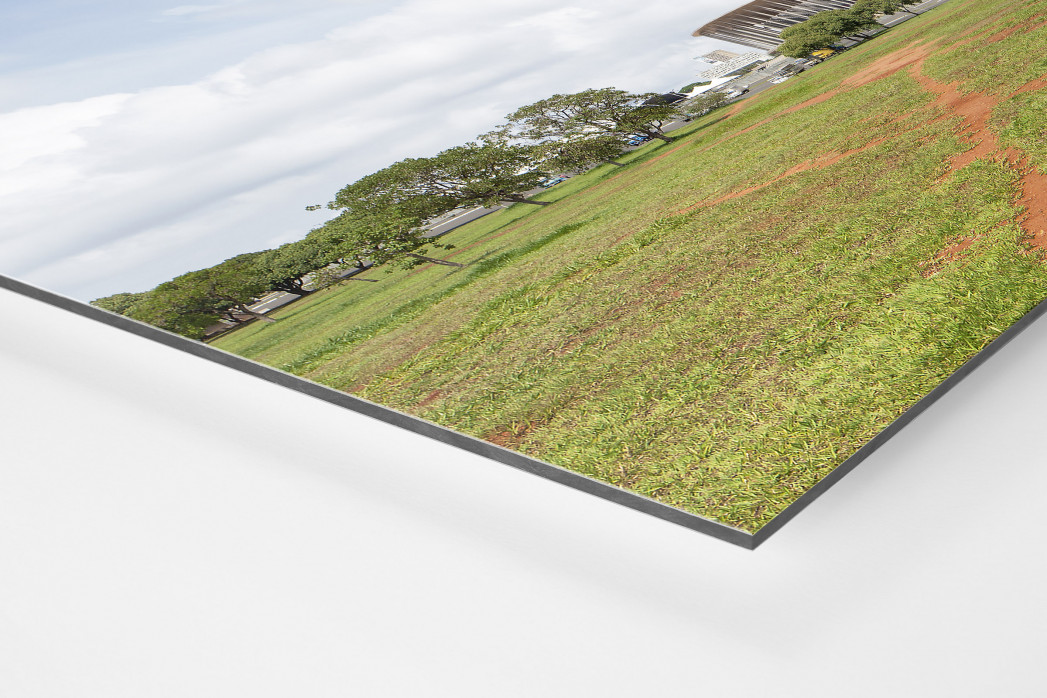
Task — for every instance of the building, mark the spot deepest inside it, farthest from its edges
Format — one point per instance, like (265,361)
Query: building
(719,56)
(758,24)
(733,65)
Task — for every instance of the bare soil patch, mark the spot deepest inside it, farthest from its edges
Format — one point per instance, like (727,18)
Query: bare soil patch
(1023,28)
(1033,199)
(890,64)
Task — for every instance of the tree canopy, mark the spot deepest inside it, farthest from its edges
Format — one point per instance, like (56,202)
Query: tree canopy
(120,303)
(380,217)
(576,154)
(886,7)
(824,29)
(287,267)
(704,103)
(477,173)
(192,302)
(387,238)
(590,114)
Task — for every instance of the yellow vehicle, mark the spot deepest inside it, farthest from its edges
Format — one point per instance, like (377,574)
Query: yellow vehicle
(823,53)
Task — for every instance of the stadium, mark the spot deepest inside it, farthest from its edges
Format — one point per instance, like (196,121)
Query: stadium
(758,24)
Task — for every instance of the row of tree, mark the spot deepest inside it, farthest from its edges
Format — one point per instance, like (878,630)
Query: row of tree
(380,218)
(825,29)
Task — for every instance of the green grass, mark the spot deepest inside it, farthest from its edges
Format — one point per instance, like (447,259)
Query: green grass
(720,358)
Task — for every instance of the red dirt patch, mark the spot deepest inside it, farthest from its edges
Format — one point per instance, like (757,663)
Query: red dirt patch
(812,101)
(951,253)
(819,163)
(659,157)
(1000,36)
(513,436)
(1034,199)
(890,64)
(974,108)
(1031,86)
(431,398)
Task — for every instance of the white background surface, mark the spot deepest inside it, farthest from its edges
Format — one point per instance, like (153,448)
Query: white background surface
(169,527)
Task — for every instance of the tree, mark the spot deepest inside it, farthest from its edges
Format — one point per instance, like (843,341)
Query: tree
(580,153)
(822,30)
(594,113)
(886,7)
(803,44)
(287,267)
(386,238)
(704,103)
(687,88)
(839,23)
(394,187)
(485,173)
(192,302)
(120,303)
(477,173)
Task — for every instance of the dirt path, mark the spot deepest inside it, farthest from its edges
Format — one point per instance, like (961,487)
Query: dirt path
(974,110)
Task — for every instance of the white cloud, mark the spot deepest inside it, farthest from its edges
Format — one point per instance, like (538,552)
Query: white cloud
(120,192)
(182,10)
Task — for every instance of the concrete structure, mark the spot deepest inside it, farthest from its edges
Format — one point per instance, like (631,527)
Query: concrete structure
(727,67)
(757,24)
(719,56)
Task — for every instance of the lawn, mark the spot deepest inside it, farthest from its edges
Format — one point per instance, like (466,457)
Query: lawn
(723,321)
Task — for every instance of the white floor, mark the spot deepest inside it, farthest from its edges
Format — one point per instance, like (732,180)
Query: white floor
(172,528)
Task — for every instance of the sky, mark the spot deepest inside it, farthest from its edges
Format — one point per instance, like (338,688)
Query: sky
(143,139)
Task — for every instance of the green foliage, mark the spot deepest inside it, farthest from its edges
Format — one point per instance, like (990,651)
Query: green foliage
(478,173)
(121,303)
(721,357)
(380,238)
(287,267)
(704,103)
(886,7)
(824,29)
(571,155)
(803,45)
(594,113)
(192,302)
(687,88)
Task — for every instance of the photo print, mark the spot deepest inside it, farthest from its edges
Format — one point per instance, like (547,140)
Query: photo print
(699,260)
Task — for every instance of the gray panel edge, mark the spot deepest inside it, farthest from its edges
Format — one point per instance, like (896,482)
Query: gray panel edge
(520,461)
(898,424)
(417,425)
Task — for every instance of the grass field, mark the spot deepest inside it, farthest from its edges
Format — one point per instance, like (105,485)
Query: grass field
(725,320)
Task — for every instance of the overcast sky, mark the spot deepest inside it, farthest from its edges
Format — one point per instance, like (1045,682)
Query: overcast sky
(143,139)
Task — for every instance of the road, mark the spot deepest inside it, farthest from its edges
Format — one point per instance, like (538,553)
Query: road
(887,21)
(278,299)
(898,18)
(460,220)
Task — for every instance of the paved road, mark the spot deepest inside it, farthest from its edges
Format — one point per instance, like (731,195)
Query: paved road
(460,220)
(900,17)
(887,21)
(278,299)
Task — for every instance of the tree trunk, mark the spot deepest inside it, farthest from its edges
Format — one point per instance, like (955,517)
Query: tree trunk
(246,311)
(430,259)
(296,289)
